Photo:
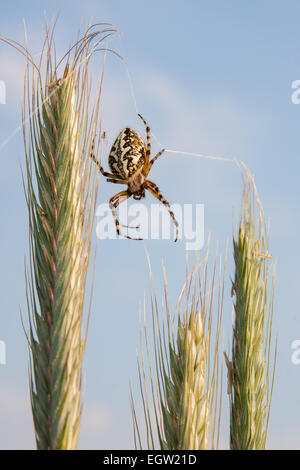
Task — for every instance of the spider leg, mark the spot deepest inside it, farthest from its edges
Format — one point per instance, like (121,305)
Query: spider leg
(113,204)
(148,168)
(148,148)
(117,181)
(104,173)
(154,190)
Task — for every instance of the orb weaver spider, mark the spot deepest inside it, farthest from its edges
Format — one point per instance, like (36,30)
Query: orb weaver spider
(129,164)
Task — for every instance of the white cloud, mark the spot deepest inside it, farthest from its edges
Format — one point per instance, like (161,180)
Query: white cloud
(103,428)
(16,430)
(99,427)
(12,73)
(201,124)
(95,419)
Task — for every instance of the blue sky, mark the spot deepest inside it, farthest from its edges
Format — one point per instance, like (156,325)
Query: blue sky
(210,77)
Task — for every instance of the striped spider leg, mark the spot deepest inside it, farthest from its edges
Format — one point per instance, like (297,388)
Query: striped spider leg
(114,201)
(155,191)
(148,146)
(113,204)
(147,165)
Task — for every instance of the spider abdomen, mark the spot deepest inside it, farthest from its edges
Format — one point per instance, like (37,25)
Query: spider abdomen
(127,154)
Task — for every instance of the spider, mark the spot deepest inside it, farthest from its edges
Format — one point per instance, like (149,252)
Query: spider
(129,164)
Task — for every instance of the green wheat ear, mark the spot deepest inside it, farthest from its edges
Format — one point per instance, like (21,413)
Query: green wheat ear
(248,371)
(60,187)
(184,376)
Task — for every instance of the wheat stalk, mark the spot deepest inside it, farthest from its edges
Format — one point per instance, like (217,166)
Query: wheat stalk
(250,388)
(184,378)
(60,188)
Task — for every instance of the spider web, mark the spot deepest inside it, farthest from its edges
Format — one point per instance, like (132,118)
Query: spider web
(181,152)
